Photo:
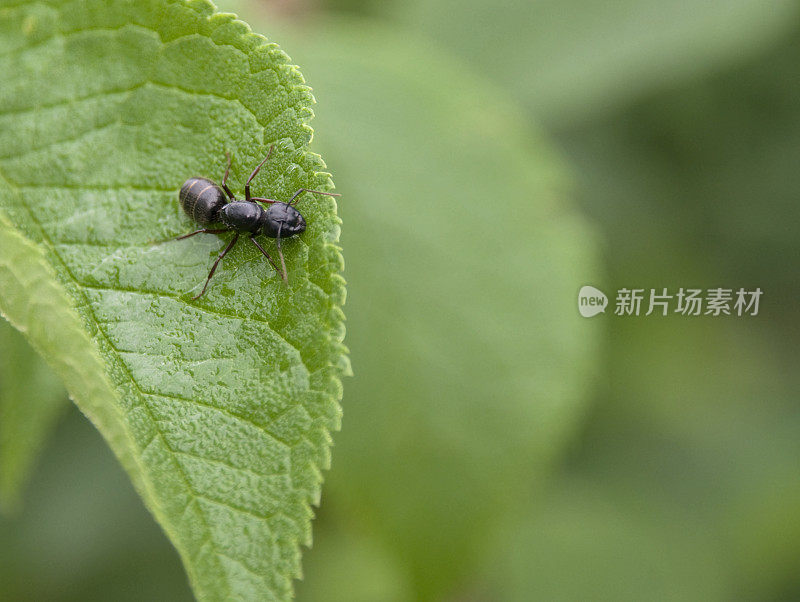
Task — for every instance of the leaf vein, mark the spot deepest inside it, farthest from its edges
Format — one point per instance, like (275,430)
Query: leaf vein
(69,101)
(250,471)
(228,413)
(225,504)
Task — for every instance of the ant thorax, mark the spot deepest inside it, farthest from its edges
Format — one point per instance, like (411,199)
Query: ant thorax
(242,216)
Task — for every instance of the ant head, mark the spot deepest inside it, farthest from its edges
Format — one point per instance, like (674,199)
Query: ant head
(282,219)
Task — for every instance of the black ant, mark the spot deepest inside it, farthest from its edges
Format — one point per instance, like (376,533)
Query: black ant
(205,203)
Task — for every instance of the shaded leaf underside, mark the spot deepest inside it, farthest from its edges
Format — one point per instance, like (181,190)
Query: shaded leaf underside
(220,410)
(31,400)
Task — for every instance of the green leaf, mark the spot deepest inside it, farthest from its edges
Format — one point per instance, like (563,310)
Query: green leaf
(569,59)
(220,409)
(465,258)
(31,399)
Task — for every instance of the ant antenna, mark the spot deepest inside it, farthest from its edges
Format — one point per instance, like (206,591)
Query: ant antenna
(302,190)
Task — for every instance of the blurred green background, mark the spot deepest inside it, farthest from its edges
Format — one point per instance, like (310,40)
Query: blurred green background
(495,157)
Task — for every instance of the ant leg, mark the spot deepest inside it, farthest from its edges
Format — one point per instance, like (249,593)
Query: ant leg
(272,263)
(253,175)
(302,190)
(216,263)
(225,178)
(202,231)
(263,200)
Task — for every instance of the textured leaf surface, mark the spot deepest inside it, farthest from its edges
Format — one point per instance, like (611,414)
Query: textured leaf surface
(569,59)
(465,260)
(31,399)
(219,409)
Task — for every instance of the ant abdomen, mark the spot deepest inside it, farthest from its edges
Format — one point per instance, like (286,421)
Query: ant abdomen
(202,200)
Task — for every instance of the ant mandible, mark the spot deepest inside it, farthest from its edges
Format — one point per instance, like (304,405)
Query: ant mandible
(205,203)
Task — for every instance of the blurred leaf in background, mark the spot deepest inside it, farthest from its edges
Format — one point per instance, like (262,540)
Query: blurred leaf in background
(695,185)
(31,400)
(570,60)
(84,533)
(473,363)
(691,180)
